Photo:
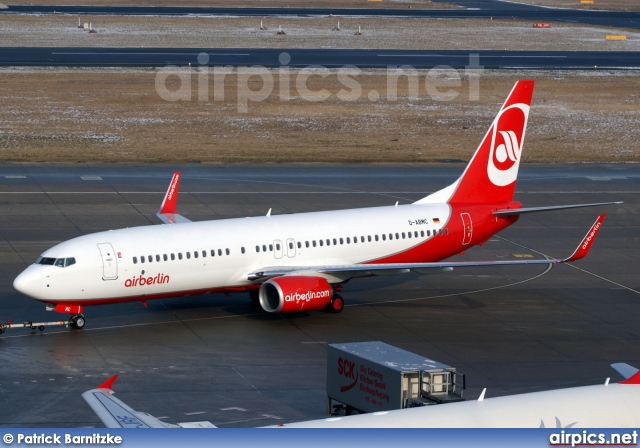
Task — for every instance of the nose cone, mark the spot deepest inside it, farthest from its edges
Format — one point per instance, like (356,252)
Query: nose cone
(29,282)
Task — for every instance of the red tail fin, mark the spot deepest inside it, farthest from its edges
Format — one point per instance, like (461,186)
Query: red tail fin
(491,174)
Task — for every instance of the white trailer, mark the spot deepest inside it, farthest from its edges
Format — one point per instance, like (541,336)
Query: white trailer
(374,376)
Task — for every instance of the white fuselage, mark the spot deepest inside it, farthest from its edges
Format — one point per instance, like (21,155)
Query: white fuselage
(171,260)
(602,406)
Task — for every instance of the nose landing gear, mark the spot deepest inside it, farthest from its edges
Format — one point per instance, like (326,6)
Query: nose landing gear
(77,321)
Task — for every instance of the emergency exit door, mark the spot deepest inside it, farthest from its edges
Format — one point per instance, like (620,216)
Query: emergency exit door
(467,228)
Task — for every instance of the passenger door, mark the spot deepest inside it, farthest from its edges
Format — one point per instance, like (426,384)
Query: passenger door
(109,261)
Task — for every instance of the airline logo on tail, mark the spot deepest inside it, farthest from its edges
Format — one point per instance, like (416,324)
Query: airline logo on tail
(506,144)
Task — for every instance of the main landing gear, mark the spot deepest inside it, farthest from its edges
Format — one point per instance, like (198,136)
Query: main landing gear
(335,305)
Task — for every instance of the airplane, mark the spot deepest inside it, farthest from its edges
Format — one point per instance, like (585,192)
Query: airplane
(605,405)
(298,262)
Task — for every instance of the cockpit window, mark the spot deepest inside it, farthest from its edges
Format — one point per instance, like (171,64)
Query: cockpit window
(60,262)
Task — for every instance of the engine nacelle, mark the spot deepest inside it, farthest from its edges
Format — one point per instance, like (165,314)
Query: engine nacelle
(291,294)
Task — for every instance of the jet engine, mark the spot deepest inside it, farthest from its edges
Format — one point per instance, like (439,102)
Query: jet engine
(290,294)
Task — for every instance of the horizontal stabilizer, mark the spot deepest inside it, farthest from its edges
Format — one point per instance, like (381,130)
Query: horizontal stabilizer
(522,211)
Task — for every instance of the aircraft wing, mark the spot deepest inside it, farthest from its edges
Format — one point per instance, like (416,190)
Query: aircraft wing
(117,414)
(363,269)
(167,212)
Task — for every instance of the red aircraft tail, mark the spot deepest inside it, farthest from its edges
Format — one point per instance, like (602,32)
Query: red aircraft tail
(491,174)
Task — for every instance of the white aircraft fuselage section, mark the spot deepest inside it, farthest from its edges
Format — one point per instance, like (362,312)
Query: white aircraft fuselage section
(161,261)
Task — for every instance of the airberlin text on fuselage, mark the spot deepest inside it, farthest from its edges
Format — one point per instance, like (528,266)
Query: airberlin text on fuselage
(144,281)
(305,297)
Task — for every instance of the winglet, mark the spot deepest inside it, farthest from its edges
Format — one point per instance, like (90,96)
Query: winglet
(587,242)
(170,201)
(107,384)
(167,212)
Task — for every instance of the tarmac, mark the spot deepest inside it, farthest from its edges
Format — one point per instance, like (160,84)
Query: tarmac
(218,358)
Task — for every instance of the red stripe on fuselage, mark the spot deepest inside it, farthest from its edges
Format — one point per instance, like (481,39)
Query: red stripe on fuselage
(167,295)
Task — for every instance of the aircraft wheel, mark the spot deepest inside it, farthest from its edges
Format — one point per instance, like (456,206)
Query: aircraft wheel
(336,304)
(77,322)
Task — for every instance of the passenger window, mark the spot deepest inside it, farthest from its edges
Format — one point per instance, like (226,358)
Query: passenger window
(179,255)
(290,245)
(242,250)
(157,257)
(257,249)
(368,238)
(150,258)
(69,262)
(314,243)
(213,252)
(220,252)
(135,260)
(408,234)
(390,236)
(204,254)
(341,241)
(402,235)
(264,248)
(328,242)
(306,244)
(299,245)
(446,231)
(195,254)
(335,242)
(142,259)
(376,237)
(270,247)
(415,234)
(173,257)
(397,236)
(188,255)
(164,257)
(227,251)
(321,243)
(440,232)
(384,237)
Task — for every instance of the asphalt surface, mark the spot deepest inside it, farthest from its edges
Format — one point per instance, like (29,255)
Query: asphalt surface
(217,358)
(160,57)
(477,9)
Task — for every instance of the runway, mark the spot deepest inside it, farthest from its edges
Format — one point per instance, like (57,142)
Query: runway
(217,358)
(498,10)
(160,57)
